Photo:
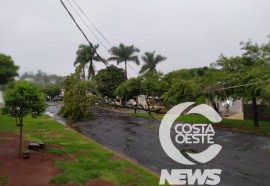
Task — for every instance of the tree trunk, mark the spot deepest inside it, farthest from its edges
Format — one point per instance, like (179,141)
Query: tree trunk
(126,69)
(20,142)
(84,74)
(213,102)
(215,106)
(146,99)
(255,112)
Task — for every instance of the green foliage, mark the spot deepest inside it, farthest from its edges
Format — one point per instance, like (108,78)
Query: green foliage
(152,126)
(23,98)
(129,88)
(3,180)
(90,159)
(204,76)
(129,139)
(8,70)
(79,99)
(124,53)
(189,85)
(249,73)
(85,56)
(4,126)
(151,62)
(151,84)
(51,84)
(109,79)
(181,91)
(175,87)
(52,90)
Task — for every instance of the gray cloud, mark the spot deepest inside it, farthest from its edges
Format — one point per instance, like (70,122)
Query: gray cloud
(41,35)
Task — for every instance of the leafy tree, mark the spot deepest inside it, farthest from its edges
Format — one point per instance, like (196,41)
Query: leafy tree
(124,53)
(199,78)
(21,99)
(193,73)
(181,91)
(85,56)
(109,79)
(247,74)
(129,88)
(79,98)
(52,90)
(151,84)
(51,84)
(151,62)
(8,69)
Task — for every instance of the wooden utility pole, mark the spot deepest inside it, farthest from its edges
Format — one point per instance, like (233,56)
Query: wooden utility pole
(255,112)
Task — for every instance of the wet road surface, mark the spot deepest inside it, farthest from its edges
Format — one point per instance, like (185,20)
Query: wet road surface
(244,158)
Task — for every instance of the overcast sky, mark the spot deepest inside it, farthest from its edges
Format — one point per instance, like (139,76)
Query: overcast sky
(190,33)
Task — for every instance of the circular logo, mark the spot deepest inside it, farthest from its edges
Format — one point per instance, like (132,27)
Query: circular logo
(165,133)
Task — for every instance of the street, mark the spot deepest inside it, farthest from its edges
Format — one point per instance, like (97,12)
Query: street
(244,158)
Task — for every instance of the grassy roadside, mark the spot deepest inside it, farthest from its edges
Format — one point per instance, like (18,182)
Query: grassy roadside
(240,125)
(90,161)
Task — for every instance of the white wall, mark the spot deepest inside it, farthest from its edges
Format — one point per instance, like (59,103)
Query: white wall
(236,107)
(1,97)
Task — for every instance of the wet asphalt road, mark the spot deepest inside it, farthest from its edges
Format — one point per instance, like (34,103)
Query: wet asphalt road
(244,158)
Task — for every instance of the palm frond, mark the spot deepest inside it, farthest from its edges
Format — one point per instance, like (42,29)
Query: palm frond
(144,69)
(151,61)
(135,59)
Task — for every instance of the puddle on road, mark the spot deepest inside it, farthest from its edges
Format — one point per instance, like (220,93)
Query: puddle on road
(266,146)
(242,147)
(132,124)
(225,135)
(128,129)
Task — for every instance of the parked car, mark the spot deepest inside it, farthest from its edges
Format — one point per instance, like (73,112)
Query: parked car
(58,98)
(131,103)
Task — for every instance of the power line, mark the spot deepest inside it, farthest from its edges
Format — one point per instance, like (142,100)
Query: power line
(243,85)
(105,63)
(91,23)
(87,26)
(99,33)
(103,60)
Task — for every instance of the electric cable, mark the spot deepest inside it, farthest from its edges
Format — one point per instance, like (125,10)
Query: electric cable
(87,25)
(103,60)
(77,5)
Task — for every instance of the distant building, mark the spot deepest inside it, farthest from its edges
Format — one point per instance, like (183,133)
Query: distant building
(228,107)
(231,107)
(1,98)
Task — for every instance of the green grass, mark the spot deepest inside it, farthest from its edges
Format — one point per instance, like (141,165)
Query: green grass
(241,125)
(91,160)
(3,180)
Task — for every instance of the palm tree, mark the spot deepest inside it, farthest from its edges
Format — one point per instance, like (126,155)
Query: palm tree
(124,53)
(86,54)
(151,62)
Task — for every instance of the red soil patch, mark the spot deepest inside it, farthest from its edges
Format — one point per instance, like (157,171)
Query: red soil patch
(98,182)
(36,171)
(95,182)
